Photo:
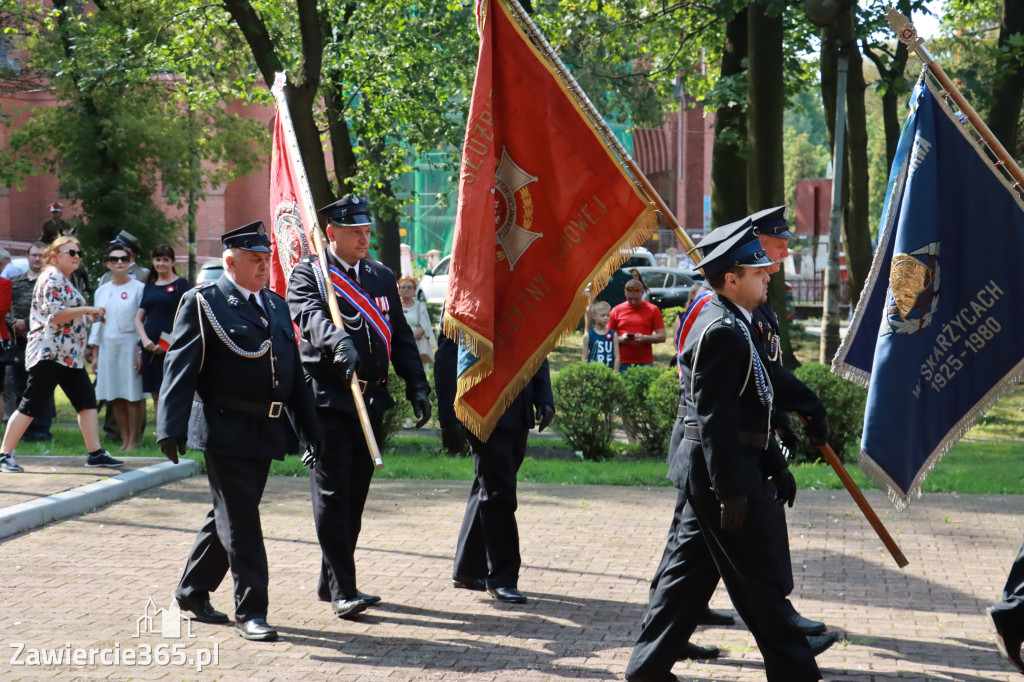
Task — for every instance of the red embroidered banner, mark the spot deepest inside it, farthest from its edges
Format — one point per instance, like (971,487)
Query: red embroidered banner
(545,209)
(291,207)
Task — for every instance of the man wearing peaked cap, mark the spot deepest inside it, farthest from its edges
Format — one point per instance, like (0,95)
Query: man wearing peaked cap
(373,336)
(722,466)
(231,374)
(56,226)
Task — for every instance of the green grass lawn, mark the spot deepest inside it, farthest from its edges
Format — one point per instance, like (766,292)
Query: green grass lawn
(988,460)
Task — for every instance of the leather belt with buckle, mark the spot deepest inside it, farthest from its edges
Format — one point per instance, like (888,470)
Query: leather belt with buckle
(748,438)
(268,409)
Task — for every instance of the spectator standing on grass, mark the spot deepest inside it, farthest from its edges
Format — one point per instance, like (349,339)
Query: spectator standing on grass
(55,355)
(160,298)
(117,356)
(638,325)
(600,344)
(16,376)
(418,317)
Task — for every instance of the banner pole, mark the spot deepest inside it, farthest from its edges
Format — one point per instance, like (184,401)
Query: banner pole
(533,31)
(321,250)
(907,33)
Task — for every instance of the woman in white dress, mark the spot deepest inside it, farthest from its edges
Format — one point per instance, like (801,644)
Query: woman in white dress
(119,358)
(418,317)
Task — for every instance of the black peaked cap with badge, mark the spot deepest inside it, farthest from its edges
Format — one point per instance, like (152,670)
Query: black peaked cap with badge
(251,237)
(351,209)
(719,235)
(741,249)
(126,238)
(772,222)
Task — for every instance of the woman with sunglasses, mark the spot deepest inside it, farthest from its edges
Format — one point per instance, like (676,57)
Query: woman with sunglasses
(119,358)
(55,355)
(160,298)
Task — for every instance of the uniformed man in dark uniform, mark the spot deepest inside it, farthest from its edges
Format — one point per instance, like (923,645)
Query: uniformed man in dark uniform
(231,373)
(56,226)
(1007,616)
(487,555)
(374,335)
(790,394)
(731,482)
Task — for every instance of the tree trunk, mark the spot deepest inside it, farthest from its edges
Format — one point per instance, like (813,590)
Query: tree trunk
(895,87)
(300,93)
(765,106)
(856,233)
(729,155)
(1004,116)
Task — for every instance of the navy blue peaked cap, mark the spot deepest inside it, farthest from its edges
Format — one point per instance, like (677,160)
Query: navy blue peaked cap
(251,237)
(741,249)
(351,209)
(772,222)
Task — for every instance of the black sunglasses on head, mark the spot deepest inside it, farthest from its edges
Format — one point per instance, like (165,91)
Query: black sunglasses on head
(117,259)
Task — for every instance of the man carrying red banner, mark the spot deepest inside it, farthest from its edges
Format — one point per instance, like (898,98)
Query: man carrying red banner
(370,340)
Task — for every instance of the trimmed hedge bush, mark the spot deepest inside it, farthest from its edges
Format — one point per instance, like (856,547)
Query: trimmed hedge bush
(586,396)
(844,401)
(648,407)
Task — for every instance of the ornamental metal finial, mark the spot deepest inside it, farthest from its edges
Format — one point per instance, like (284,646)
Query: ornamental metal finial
(902,27)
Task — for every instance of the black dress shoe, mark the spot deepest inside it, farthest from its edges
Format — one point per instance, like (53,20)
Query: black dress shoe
(256,630)
(713,617)
(509,595)
(370,599)
(1009,645)
(463,582)
(202,610)
(691,651)
(821,642)
(348,608)
(806,626)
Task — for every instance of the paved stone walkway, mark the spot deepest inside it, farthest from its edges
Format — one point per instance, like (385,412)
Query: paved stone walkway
(588,551)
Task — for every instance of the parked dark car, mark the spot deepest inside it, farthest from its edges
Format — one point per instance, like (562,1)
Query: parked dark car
(669,287)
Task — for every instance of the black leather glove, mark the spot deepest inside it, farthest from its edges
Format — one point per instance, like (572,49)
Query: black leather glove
(453,439)
(421,406)
(789,439)
(785,486)
(171,447)
(816,429)
(346,359)
(311,455)
(545,413)
(734,513)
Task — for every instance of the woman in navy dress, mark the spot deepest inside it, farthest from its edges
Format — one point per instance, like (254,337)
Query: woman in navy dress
(164,289)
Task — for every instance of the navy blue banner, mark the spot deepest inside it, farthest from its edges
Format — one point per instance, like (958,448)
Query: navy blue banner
(938,335)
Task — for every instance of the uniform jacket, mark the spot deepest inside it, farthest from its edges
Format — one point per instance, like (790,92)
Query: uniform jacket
(201,362)
(319,336)
(720,397)
(519,415)
(791,395)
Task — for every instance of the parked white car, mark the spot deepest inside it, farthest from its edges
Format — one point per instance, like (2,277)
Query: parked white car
(434,283)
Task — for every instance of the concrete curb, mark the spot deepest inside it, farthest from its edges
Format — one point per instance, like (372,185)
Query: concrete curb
(79,500)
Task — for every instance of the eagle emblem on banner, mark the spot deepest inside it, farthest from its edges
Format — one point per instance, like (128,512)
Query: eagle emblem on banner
(913,291)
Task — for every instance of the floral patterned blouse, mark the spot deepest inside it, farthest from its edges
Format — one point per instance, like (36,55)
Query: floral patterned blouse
(65,343)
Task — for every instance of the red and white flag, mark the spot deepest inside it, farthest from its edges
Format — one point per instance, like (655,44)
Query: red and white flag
(292,213)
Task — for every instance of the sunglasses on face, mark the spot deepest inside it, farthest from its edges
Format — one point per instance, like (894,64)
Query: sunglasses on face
(74,253)
(117,259)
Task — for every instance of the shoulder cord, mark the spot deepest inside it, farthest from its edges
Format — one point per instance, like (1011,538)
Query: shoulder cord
(267,344)
(765,393)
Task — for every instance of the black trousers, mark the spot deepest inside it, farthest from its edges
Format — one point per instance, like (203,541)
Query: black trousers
(1009,613)
(700,552)
(782,570)
(489,539)
(339,484)
(231,537)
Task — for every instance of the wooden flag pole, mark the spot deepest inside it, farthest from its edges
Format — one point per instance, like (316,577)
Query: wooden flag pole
(862,502)
(907,34)
(321,250)
(595,117)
